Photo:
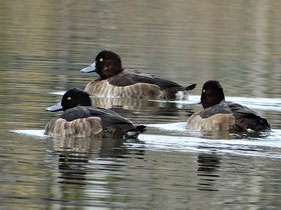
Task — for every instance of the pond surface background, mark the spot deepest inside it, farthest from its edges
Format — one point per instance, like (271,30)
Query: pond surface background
(44,44)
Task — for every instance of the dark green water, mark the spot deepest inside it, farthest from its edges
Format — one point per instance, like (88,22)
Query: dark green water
(44,44)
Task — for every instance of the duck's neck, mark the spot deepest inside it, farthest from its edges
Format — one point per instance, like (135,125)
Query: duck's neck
(211,102)
(110,72)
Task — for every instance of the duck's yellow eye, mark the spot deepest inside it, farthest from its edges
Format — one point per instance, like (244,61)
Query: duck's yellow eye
(101,59)
(68,98)
(203,91)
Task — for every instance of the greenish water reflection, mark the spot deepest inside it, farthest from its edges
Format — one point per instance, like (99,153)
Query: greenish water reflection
(43,46)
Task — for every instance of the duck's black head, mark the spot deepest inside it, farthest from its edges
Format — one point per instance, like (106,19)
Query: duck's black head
(107,64)
(212,94)
(72,98)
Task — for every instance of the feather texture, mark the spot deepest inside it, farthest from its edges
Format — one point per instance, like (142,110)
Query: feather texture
(220,115)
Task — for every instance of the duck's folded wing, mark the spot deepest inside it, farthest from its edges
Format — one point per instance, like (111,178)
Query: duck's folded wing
(247,118)
(130,78)
(75,113)
(216,109)
(108,117)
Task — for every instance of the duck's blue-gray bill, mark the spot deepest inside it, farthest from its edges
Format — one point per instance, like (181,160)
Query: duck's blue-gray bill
(54,108)
(89,69)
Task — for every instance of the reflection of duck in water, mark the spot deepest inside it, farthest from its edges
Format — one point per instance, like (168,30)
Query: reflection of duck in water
(133,104)
(81,119)
(224,116)
(76,147)
(74,154)
(145,111)
(116,82)
(207,172)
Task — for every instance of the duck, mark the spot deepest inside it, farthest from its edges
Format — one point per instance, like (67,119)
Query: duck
(115,81)
(221,115)
(80,119)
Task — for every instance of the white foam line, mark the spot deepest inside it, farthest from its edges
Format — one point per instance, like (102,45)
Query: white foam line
(35,133)
(60,93)
(245,147)
(176,140)
(273,104)
(170,126)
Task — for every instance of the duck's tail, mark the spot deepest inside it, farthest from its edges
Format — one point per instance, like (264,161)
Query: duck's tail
(183,93)
(259,124)
(133,133)
(190,87)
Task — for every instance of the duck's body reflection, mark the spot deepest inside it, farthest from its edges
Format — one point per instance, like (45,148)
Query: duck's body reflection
(129,103)
(77,157)
(145,111)
(208,174)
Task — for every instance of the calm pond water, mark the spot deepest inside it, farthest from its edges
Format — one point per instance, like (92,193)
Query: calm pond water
(43,46)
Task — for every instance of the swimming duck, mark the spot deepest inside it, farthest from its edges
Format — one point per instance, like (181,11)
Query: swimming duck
(80,118)
(221,115)
(115,81)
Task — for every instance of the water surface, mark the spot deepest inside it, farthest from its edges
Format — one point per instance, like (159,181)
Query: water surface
(43,46)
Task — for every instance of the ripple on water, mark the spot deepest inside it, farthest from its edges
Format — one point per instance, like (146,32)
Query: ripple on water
(266,104)
(267,144)
(174,137)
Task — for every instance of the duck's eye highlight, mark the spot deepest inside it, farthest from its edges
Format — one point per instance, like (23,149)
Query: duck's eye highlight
(68,98)
(203,91)
(101,59)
